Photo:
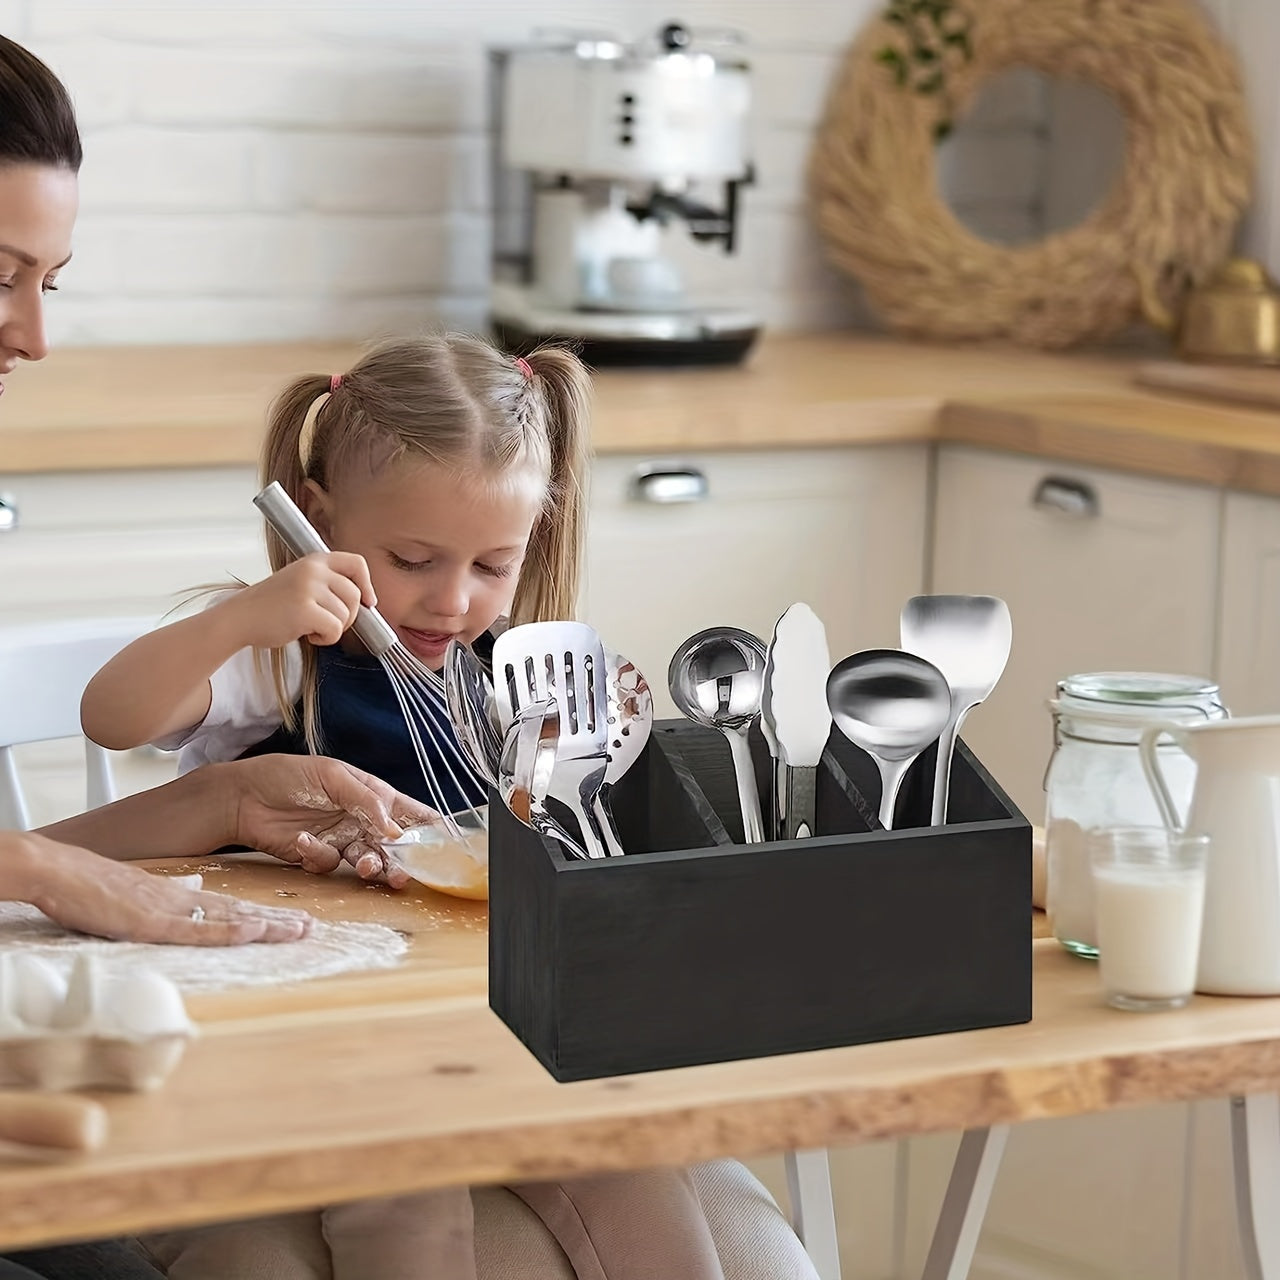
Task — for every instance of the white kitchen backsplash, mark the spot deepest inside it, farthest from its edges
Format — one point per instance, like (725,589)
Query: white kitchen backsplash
(317,168)
(1253,27)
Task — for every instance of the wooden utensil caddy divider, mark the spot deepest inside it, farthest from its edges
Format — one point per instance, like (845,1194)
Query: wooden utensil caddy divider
(696,949)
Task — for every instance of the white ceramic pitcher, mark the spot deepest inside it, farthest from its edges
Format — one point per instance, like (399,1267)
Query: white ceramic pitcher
(1236,803)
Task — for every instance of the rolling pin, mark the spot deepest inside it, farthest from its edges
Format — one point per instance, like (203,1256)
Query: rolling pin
(63,1120)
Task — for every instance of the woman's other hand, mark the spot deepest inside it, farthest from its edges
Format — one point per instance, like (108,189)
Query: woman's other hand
(92,894)
(318,813)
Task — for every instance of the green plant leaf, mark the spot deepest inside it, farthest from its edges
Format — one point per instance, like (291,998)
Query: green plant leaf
(942,130)
(932,83)
(894,59)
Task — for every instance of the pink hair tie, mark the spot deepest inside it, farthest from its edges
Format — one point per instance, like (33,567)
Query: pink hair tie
(335,381)
(524,366)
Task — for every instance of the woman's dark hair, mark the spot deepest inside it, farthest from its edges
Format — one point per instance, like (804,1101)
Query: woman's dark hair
(37,120)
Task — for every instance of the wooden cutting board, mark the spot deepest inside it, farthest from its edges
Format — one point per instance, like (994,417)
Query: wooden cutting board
(1254,385)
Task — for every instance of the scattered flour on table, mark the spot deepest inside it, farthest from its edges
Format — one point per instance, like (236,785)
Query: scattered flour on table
(329,949)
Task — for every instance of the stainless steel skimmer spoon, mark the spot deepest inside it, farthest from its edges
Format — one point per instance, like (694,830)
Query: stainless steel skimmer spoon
(891,704)
(716,679)
(968,639)
(564,661)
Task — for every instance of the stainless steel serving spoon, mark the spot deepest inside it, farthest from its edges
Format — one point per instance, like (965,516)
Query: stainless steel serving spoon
(630,707)
(968,639)
(893,705)
(716,679)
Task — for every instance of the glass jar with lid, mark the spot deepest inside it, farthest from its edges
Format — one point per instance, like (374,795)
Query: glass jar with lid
(1095,776)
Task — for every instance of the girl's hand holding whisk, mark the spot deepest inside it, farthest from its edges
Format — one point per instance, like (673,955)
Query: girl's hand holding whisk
(315,598)
(159,684)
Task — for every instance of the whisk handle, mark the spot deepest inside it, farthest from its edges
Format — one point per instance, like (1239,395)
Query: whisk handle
(299,535)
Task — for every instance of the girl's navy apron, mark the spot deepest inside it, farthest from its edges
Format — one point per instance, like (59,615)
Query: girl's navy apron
(361,724)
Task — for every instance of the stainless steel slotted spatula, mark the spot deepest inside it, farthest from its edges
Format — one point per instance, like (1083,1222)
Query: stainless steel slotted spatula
(564,661)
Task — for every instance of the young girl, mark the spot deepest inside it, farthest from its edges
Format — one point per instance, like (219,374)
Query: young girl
(448,478)
(438,467)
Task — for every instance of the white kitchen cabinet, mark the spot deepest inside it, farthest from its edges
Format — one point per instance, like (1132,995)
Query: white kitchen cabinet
(750,534)
(125,542)
(1102,571)
(1249,608)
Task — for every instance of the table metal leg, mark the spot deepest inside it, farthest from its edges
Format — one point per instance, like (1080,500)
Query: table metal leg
(1255,1158)
(965,1205)
(813,1211)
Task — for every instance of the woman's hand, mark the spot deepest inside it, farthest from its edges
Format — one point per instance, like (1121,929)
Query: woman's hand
(315,598)
(319,812)
(92,894)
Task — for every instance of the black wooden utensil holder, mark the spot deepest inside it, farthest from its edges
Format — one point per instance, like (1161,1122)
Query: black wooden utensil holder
(693,949)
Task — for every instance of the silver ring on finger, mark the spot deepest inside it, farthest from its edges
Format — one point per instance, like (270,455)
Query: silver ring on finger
(197,914)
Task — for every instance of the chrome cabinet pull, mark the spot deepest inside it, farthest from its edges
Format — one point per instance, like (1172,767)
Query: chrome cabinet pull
(1067,497)
(8,513)
(666,484)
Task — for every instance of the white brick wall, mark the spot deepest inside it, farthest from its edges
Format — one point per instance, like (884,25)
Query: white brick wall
(313,168)
(1253,26)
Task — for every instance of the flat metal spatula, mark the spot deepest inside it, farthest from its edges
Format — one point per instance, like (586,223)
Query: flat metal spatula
(564,661)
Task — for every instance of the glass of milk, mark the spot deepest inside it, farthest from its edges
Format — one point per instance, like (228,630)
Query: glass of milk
(1148,889)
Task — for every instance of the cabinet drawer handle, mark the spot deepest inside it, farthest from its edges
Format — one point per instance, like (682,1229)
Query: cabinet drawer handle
(8,514)
(1068,497)
(669,484)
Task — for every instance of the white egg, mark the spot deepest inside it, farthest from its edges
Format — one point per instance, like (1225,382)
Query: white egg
(144,1003)
(39,990)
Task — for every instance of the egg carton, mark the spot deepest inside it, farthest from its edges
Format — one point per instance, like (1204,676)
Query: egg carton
(91,1030)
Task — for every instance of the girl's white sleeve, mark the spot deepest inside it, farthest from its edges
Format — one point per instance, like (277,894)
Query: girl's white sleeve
(242,710)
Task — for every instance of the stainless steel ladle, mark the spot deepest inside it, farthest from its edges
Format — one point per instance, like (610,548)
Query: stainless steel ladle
(893,705)
(716,679)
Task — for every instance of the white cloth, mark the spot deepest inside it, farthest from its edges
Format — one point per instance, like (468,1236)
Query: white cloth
(242,709)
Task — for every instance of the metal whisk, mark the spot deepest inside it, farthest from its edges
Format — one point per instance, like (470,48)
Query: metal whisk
(419,690)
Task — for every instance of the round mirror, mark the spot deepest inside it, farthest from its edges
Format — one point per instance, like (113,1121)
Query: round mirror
(1033,156)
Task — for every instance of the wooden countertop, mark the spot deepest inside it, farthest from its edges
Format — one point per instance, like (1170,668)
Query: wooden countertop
(379,1083)
(102,408)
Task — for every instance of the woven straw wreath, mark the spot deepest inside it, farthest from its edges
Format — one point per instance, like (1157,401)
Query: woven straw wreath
(1165,225)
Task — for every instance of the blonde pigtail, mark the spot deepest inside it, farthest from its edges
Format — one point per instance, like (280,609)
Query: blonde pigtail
(561,390)
(282,461)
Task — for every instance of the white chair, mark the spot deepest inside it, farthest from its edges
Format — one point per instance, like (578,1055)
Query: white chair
(44,667)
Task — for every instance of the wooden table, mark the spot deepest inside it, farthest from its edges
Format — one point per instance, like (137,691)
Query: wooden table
(389,1081)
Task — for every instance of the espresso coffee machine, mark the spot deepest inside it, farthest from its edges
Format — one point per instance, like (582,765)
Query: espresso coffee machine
(604,154)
